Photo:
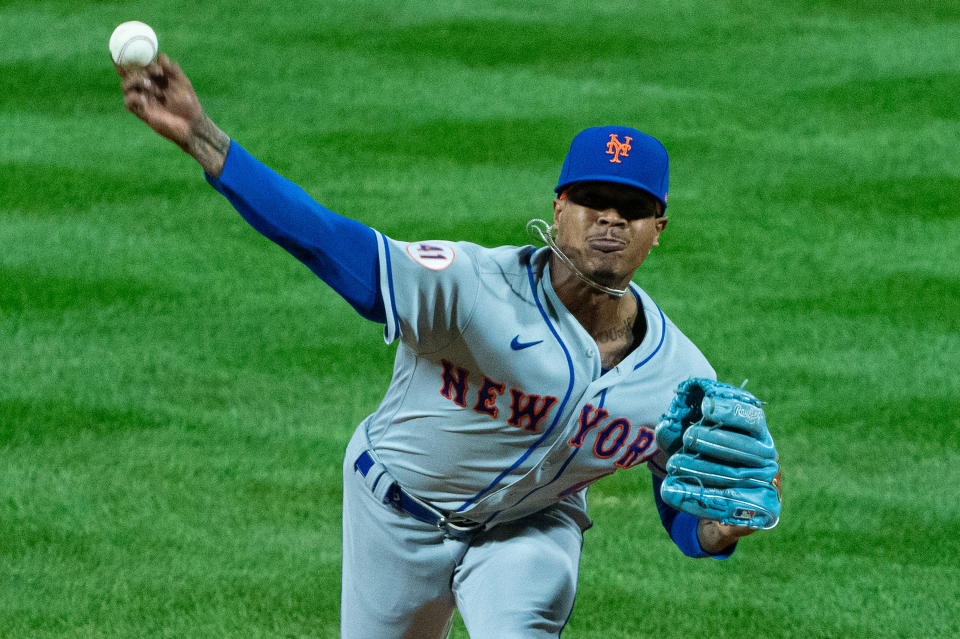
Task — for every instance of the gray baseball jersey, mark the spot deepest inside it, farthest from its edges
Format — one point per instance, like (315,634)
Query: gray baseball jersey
(498,410)
(498,406)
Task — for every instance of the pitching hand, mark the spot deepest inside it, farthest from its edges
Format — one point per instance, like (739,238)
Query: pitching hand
(161,95)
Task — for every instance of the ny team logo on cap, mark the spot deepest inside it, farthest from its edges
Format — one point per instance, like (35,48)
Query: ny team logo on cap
(596,155)
(616,148)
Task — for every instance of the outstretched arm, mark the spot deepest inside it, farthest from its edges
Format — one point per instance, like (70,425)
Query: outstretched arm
(161,95)
(341,251)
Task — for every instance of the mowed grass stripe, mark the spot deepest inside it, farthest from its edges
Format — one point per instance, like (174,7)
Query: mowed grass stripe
(177,391)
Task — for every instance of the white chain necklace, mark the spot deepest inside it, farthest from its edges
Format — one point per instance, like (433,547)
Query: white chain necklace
(537,228)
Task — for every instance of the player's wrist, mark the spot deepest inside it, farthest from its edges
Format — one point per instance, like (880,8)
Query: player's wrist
(207,144)
(715,538)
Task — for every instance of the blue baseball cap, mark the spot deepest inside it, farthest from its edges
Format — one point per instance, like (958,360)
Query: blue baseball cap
(617,154)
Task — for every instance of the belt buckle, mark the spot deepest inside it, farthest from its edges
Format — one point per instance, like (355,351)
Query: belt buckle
(395,496)
(428,513)
(457,530)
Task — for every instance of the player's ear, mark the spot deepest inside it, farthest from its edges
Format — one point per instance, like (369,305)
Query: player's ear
(661,223)
(557,209)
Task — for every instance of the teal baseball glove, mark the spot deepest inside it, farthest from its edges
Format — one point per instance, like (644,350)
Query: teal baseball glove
(722,463)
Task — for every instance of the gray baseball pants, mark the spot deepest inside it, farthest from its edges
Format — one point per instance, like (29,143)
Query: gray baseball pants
(402,578)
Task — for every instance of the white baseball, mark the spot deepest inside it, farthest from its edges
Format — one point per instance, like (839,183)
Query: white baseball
(133,44)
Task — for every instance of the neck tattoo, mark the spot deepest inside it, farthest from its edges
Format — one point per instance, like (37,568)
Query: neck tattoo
(617,333)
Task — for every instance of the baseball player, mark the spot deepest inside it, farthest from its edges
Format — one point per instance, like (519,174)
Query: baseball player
(522,376)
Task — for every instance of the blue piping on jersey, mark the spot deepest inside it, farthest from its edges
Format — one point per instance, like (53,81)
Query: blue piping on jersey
(603,398)
(393,299)
(563,404)
(663,332)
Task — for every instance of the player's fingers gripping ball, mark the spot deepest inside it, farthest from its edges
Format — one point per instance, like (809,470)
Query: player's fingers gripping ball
(722,461)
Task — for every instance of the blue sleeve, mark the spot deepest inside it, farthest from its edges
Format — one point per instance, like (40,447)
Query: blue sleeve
(682,528)
(341,251)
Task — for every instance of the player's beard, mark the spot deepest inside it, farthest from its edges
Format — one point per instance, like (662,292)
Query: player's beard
(602,274)
(606,277)
(600,269)
(538,227)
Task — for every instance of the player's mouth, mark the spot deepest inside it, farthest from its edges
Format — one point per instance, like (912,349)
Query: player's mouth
(606,244)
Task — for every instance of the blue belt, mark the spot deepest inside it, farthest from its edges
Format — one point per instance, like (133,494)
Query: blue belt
(456,527)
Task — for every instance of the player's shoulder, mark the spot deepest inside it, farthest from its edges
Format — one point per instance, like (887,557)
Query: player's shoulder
(490,260)
(443,253)
(504,258)
(681,351)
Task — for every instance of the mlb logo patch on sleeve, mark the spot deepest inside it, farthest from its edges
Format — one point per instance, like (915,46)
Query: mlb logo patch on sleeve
(435,256)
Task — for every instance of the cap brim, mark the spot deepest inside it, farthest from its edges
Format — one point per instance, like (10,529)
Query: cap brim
(614,180)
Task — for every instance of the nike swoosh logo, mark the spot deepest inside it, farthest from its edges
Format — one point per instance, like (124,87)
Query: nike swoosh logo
(517,345)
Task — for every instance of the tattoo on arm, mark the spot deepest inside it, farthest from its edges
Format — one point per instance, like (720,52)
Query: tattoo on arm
(209,145)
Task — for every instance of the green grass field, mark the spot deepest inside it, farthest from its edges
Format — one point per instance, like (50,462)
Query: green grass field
(176,392)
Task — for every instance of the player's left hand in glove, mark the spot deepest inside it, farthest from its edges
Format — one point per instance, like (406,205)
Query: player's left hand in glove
(722,461)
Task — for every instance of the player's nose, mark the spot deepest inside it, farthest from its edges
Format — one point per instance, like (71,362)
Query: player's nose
(610,217)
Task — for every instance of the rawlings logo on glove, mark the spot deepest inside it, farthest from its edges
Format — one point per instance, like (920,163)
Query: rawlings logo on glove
(722,462)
